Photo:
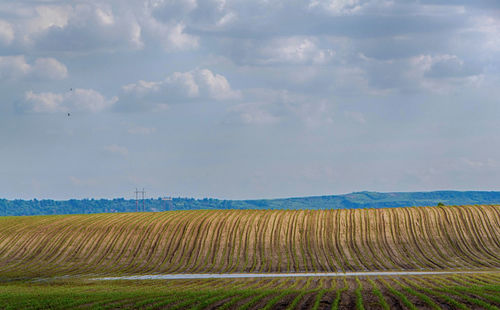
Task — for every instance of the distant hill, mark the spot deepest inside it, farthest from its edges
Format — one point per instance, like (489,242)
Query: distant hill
(354,201)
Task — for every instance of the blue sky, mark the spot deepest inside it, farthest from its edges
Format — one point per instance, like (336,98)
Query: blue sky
(247,99)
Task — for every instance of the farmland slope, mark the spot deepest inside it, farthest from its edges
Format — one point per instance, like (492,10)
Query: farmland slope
(215,241)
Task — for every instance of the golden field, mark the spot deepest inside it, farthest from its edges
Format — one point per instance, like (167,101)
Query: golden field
(225,241)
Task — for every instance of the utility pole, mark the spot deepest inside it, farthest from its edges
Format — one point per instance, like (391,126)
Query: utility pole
(143,192)
(136,200)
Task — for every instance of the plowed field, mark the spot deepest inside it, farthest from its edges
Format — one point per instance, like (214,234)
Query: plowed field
(222,241)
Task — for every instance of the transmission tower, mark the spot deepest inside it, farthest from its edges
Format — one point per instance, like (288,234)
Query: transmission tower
(137,192)
(136,200)
(143,208)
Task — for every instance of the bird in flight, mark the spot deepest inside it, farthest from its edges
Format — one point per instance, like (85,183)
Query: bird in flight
(71,89)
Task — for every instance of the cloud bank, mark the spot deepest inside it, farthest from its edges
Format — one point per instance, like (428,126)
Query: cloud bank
(269,98)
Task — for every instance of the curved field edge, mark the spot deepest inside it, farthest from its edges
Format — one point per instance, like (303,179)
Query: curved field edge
(257,241)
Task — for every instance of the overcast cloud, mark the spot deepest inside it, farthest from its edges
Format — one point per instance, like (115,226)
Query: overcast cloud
(248,99)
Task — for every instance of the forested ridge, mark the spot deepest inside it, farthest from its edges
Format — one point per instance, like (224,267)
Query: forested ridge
(359,200)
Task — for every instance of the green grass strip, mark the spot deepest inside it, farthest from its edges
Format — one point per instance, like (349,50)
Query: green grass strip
(381,300)
(338,295)
(296,300)
(398,294)
(216,298)
(447,299)
(459,291)
(121,303)
(256,299)
(317,300)
(481,293)
(149,301)
(180,297)
(276,299)
(426,299)
(359,295)
(478,302)
(241,296)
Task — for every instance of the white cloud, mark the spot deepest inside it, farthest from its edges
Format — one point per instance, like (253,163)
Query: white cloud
(294,50)
(206,14)
(437,73)
(314,112)
(13,67)
(171,36)
(6,32)
(136,35)
(267,106)
(83,27)
(166,10)
(105,16)
(51,68)
(199,84)
(116,149)
(184,82)
(92,26)
(45,102)
(252,113)
(164,22)
(283,50)
(443,73)
(77,100)
(216,85)
(45,17)
(336,7)
(488,28)
(16,67)
(178,39)
(227,19)
(142,88)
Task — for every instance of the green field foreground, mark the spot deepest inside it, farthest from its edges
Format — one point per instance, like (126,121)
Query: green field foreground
(51,262)
(471,291)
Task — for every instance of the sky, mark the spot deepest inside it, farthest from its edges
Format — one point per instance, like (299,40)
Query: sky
(247,98)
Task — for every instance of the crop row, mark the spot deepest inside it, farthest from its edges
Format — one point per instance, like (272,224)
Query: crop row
(430,238)
(471,291)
